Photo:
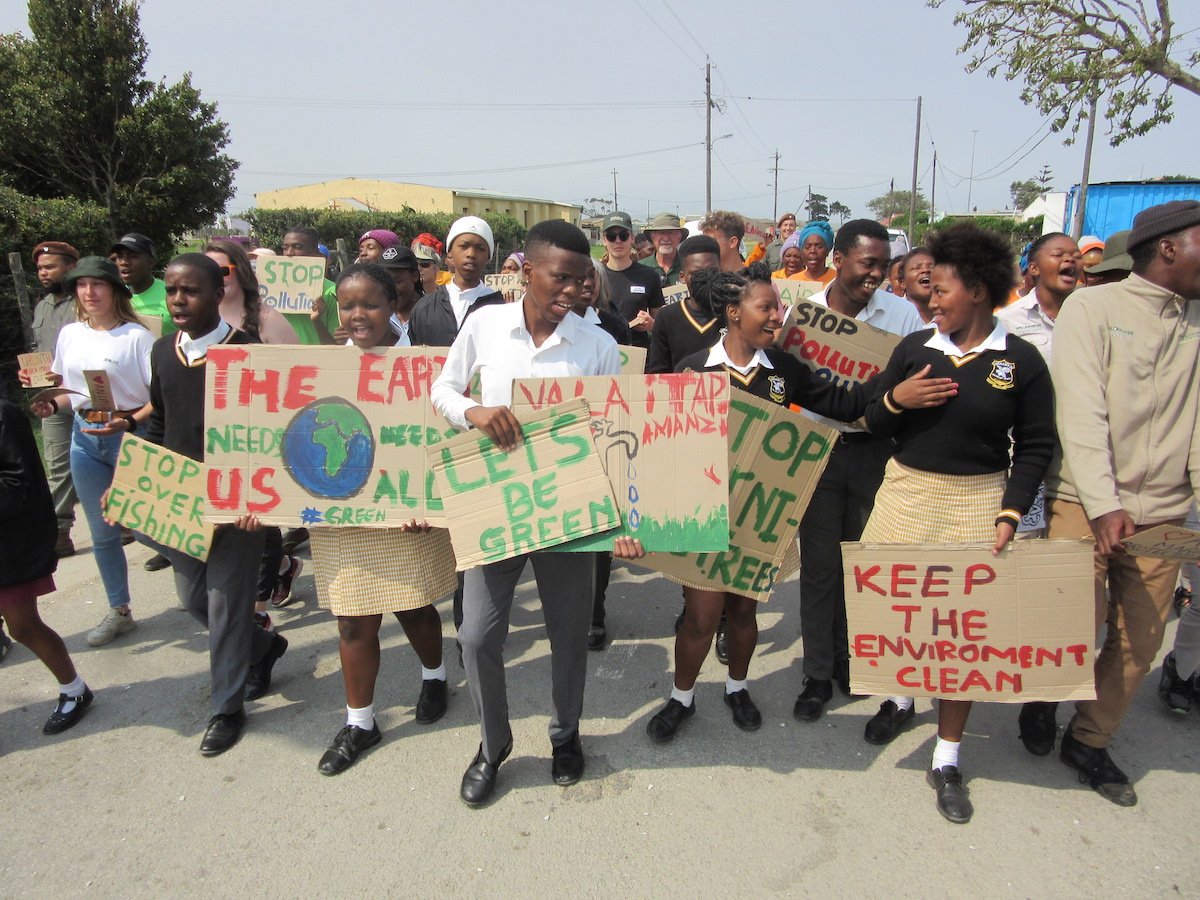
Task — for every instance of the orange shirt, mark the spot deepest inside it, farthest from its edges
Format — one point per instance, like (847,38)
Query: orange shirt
(802,275)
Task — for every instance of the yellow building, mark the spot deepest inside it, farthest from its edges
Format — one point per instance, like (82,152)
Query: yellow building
(394,196)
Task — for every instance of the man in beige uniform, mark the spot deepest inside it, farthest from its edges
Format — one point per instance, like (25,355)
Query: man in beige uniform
(1126,366)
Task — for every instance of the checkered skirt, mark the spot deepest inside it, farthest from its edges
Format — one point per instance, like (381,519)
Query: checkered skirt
(364,571)
(915,507)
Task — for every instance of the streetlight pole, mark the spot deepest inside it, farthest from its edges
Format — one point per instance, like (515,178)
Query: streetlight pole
(707,136)
(775,208)
(614,190)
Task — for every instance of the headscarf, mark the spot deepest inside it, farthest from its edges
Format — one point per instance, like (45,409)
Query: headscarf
(821,229)
(1025,257)
(793,242)
(384,237)
(518,256)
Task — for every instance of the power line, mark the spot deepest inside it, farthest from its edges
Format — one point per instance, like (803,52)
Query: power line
(668,34)
(319,103)
(684,27)
(830,99)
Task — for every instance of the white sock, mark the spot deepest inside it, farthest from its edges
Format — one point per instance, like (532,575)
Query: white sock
(732,687)
(945,753)
(684,697)
(902,703)
(73,692)
(364,718)
(285,564)
(438,674)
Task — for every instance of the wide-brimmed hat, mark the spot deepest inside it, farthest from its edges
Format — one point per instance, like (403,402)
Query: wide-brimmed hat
(665,222)
(1116,256)
(95,267)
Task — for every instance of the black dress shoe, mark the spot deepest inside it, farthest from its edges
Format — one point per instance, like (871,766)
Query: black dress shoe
(721,645)
(597,636)
(222,733)
(745,714)
(1038,726)
(1096,768)
(60,721)
(432,703)
(952,800)
(883,727)
(566,766)
(348,744)
(811,702)
(258,681)
(1174,691)
(157,563)
(667,720)
(479,780)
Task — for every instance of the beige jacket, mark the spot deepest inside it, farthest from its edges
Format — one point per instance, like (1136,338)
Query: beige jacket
(1126,367)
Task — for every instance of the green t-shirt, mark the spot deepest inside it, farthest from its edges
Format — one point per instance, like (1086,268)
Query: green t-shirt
(302,322)
(153,302)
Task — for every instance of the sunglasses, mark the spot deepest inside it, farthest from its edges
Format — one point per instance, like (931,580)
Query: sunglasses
(229,271)
(617,236)
(425,263)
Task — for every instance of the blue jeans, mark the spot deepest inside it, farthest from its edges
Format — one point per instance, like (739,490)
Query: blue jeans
(93,462)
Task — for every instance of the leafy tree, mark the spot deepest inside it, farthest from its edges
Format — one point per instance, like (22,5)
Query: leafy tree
(817,206)
(1178,178)
(1069,52)
(1024,192)
(895,203)
(81,120)
(841,210)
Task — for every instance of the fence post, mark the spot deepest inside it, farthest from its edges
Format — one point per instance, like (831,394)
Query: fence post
(18,276)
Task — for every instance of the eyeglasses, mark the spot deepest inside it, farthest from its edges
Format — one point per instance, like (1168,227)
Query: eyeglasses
(229,271)
(617,236)
(425,263)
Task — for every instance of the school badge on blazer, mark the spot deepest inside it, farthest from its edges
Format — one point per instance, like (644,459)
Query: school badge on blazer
(1002,375)
(776,386)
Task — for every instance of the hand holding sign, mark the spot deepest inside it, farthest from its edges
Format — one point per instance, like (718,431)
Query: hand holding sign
(35,370)
(498,423)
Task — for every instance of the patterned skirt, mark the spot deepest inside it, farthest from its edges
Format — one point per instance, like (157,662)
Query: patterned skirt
(365,571)
(917,507)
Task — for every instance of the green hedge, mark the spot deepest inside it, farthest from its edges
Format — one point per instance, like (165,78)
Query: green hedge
(270,225)
(25,221)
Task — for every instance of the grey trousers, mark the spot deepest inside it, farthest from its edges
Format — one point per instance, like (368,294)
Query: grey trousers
(565,584)
(220,595)
(56,448)
(838,512)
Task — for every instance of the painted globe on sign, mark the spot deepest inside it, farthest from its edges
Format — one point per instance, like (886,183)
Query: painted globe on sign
(329,449)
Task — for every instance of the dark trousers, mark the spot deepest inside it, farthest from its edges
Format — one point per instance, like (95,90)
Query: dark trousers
(603,572)
(220,595)
(565,583)
(268,569)
(838,512)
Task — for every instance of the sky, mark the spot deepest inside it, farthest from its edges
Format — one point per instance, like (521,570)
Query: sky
(546,98)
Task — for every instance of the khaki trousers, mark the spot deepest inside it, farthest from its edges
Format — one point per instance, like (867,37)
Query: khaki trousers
(1135,611)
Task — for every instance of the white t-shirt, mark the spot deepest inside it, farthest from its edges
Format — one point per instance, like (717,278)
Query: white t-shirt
(124,353)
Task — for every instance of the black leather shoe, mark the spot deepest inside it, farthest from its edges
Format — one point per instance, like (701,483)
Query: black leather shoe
(1174,691)
(745,714)
(566,766)
(597,637)
(667,720)
(60,721)
(222,733)
(883,727)
(811,702)
(721,645)
(952,800)
(1096,768)
(348,744)
(258,681)
(157,563)
(479,780)
(1038,727)
(432,703)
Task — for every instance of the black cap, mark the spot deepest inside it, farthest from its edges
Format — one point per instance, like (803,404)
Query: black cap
(138,243)
(398,258)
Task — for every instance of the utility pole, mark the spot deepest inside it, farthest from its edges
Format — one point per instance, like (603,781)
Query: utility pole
(933,192)
(614,190)
(775,208)
(971,178)
(1081,200)
(707,136)
(912,199)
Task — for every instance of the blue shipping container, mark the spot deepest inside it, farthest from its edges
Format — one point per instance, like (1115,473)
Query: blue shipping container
(1112,205)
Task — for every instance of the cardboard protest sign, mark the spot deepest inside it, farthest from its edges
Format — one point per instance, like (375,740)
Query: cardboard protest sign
(549,490)
(836,347)
(675,293)
(161,494)
(951,620)
(662,442)
(1165,542)
(290,283)
(302,435)
(38,367)
(792,290)
(153,324)
(776,458)
(633,360)
(510,284)
(100,389)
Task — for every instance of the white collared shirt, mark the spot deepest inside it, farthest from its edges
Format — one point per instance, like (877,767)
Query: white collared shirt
(996,340)
(495,343)
(460,300)
(718,357)
(195,349)
(401,330)
(1025,319)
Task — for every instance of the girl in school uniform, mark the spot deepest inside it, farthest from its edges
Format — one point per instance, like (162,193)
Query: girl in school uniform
(362,573)
(746,306)
(953,477)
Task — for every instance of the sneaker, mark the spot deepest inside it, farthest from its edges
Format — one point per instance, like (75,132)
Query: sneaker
(295,538)
(64,546)
(283,595)
(59,720)
(1174,691)
(1096,769)
(110,627)
(263,621)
